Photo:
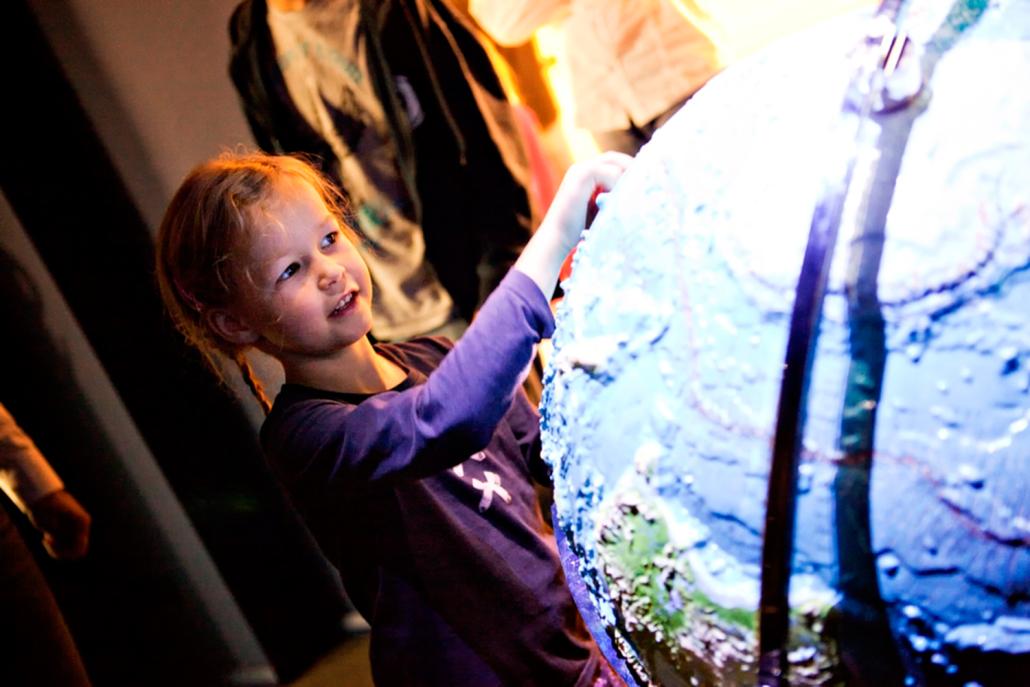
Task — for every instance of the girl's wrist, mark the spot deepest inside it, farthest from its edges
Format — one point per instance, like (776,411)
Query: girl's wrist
(558,237)
(542,258)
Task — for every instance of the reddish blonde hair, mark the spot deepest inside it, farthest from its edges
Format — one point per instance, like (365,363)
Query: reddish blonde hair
(203,235)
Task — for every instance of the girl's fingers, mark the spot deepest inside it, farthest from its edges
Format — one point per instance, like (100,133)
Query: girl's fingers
(609,167)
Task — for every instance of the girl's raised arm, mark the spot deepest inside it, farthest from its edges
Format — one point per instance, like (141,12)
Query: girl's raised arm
(559,232)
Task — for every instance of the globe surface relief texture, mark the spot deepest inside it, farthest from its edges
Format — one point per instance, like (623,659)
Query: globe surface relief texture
(661,390)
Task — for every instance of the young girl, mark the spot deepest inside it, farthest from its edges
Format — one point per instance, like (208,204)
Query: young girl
(413,464)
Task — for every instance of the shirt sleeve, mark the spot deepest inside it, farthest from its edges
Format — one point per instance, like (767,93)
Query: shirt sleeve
(25,476)
(512,22)
(413,433)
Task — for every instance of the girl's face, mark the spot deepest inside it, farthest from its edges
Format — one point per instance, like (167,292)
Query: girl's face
(310,294)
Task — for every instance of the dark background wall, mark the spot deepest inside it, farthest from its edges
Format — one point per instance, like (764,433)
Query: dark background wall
(200,573)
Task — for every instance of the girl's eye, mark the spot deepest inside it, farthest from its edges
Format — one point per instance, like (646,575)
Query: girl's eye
(330,238)
(291,270)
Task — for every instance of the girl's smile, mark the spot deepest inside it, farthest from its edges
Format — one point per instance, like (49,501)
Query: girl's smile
(344,306)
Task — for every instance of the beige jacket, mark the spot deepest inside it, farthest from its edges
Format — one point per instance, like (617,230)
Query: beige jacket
(629,60)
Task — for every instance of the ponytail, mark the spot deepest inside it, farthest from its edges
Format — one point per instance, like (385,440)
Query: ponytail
(252,381)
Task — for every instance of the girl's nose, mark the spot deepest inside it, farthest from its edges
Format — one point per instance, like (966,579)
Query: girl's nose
(330,272)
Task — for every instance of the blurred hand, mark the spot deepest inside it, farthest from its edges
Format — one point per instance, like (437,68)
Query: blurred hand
(64,524)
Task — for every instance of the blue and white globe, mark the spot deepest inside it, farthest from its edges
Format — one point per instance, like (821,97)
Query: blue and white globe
(661,391)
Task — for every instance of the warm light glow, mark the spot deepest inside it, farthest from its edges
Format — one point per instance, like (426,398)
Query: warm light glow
(741,27)
(703,21)
(549,42)
(736,27)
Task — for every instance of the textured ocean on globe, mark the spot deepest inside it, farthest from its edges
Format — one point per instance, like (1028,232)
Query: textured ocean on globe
(661,391)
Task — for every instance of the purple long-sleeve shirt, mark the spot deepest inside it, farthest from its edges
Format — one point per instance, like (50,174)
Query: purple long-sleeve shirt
(423,498)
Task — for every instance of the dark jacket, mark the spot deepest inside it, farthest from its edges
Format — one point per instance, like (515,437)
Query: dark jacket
(464,170)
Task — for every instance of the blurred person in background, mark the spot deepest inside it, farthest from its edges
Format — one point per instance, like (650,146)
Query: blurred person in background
(632,63)
(36,647)
(399,104)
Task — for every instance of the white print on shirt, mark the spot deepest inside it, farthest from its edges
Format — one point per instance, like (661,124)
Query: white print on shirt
(491,486)
(478,456)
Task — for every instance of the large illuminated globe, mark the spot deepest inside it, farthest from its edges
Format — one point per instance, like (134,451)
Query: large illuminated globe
(661,392)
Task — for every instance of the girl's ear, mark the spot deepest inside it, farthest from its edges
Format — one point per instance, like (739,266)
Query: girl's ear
(230,327)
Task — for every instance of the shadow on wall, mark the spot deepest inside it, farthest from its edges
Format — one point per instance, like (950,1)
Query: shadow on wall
(83,67)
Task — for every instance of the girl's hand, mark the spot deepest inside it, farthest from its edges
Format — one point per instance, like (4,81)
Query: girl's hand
(566,219)
(582,182)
